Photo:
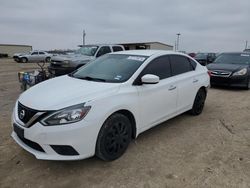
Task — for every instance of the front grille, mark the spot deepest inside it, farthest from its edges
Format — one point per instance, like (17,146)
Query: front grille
(56,63)
(31,144)
(220,73)
(25,113)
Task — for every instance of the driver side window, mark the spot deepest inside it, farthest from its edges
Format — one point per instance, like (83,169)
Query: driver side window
(103,50)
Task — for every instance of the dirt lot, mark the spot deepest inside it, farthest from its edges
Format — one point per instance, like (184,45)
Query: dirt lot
(211,150)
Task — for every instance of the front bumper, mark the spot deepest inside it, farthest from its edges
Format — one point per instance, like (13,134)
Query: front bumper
(58,71)
(47,142)
(233,81)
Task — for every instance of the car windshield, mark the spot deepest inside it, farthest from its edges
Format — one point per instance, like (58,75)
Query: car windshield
(201,55)
(233,58)
(87,50)
(115,68)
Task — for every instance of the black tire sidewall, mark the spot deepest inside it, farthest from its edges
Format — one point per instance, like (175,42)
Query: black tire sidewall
(100,147)
(24,60)
(194,110)
(47,59)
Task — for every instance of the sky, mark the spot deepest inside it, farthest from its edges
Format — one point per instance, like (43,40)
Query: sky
(204,25)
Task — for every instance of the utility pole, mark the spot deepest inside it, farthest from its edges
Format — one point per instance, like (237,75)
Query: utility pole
(178,41)
(83,37)
(246,44)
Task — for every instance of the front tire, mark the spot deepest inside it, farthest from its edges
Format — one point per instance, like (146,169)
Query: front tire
(248,86)
(199,102)
(114,137)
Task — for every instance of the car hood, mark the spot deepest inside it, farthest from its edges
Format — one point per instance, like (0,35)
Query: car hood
(228,67)
(72,58)
(64,91)
(200,58)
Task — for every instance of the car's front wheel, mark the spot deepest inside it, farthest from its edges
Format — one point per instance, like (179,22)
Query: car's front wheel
(199,102)
(248,86)
(114,137)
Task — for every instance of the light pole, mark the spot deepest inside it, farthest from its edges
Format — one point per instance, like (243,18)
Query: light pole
(178,41)
(83,37)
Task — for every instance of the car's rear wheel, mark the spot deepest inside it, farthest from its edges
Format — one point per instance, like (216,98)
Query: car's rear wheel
(199,102)
(114,137)
(24,60)
(47,59)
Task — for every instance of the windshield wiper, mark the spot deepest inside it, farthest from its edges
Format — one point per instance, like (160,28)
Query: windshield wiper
(91,78)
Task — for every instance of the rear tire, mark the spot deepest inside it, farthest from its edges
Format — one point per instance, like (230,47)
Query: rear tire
(47,59)
(114,137)
(199,102)
(24,60)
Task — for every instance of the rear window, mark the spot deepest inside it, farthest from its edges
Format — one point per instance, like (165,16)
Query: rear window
(233,58)
(117,48)
(180,64)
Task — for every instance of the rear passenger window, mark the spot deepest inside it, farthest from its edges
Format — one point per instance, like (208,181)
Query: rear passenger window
(117,48)
(180,64)
(159,67)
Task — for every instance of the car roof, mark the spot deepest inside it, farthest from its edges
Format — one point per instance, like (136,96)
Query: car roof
(148,52)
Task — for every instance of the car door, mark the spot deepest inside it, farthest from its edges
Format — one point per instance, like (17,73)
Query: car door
(103,50)
(42,56)
(183,71)
(34,56)
(157,101)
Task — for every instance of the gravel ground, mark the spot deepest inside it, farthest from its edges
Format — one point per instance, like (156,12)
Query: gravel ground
(210,150)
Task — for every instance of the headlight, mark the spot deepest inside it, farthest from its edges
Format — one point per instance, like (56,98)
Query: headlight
(240,72)
(67,115)
(65,63)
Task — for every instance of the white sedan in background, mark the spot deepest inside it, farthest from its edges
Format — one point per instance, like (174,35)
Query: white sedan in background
(34,56)
(98,109)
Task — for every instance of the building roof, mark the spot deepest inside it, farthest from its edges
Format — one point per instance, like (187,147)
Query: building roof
(16,45)
(147,52)
(143,43)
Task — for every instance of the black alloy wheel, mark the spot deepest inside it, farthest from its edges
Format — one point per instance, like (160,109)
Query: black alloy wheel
(114,137)
(199,102)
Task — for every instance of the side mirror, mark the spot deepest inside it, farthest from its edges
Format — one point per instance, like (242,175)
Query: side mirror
(150,79)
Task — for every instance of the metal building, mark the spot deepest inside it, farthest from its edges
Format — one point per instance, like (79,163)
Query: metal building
(10,49)
(147,45)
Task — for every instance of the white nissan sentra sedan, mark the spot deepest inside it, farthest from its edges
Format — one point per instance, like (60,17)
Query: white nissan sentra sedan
(98,109)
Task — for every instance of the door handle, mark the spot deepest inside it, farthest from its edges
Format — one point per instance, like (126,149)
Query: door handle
(172,88)
(195,80)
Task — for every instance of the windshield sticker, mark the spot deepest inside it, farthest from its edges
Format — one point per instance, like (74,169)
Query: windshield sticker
(118,77)
(245,55)
(136,58)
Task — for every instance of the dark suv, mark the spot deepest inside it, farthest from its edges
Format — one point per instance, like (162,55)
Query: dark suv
(205,58)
